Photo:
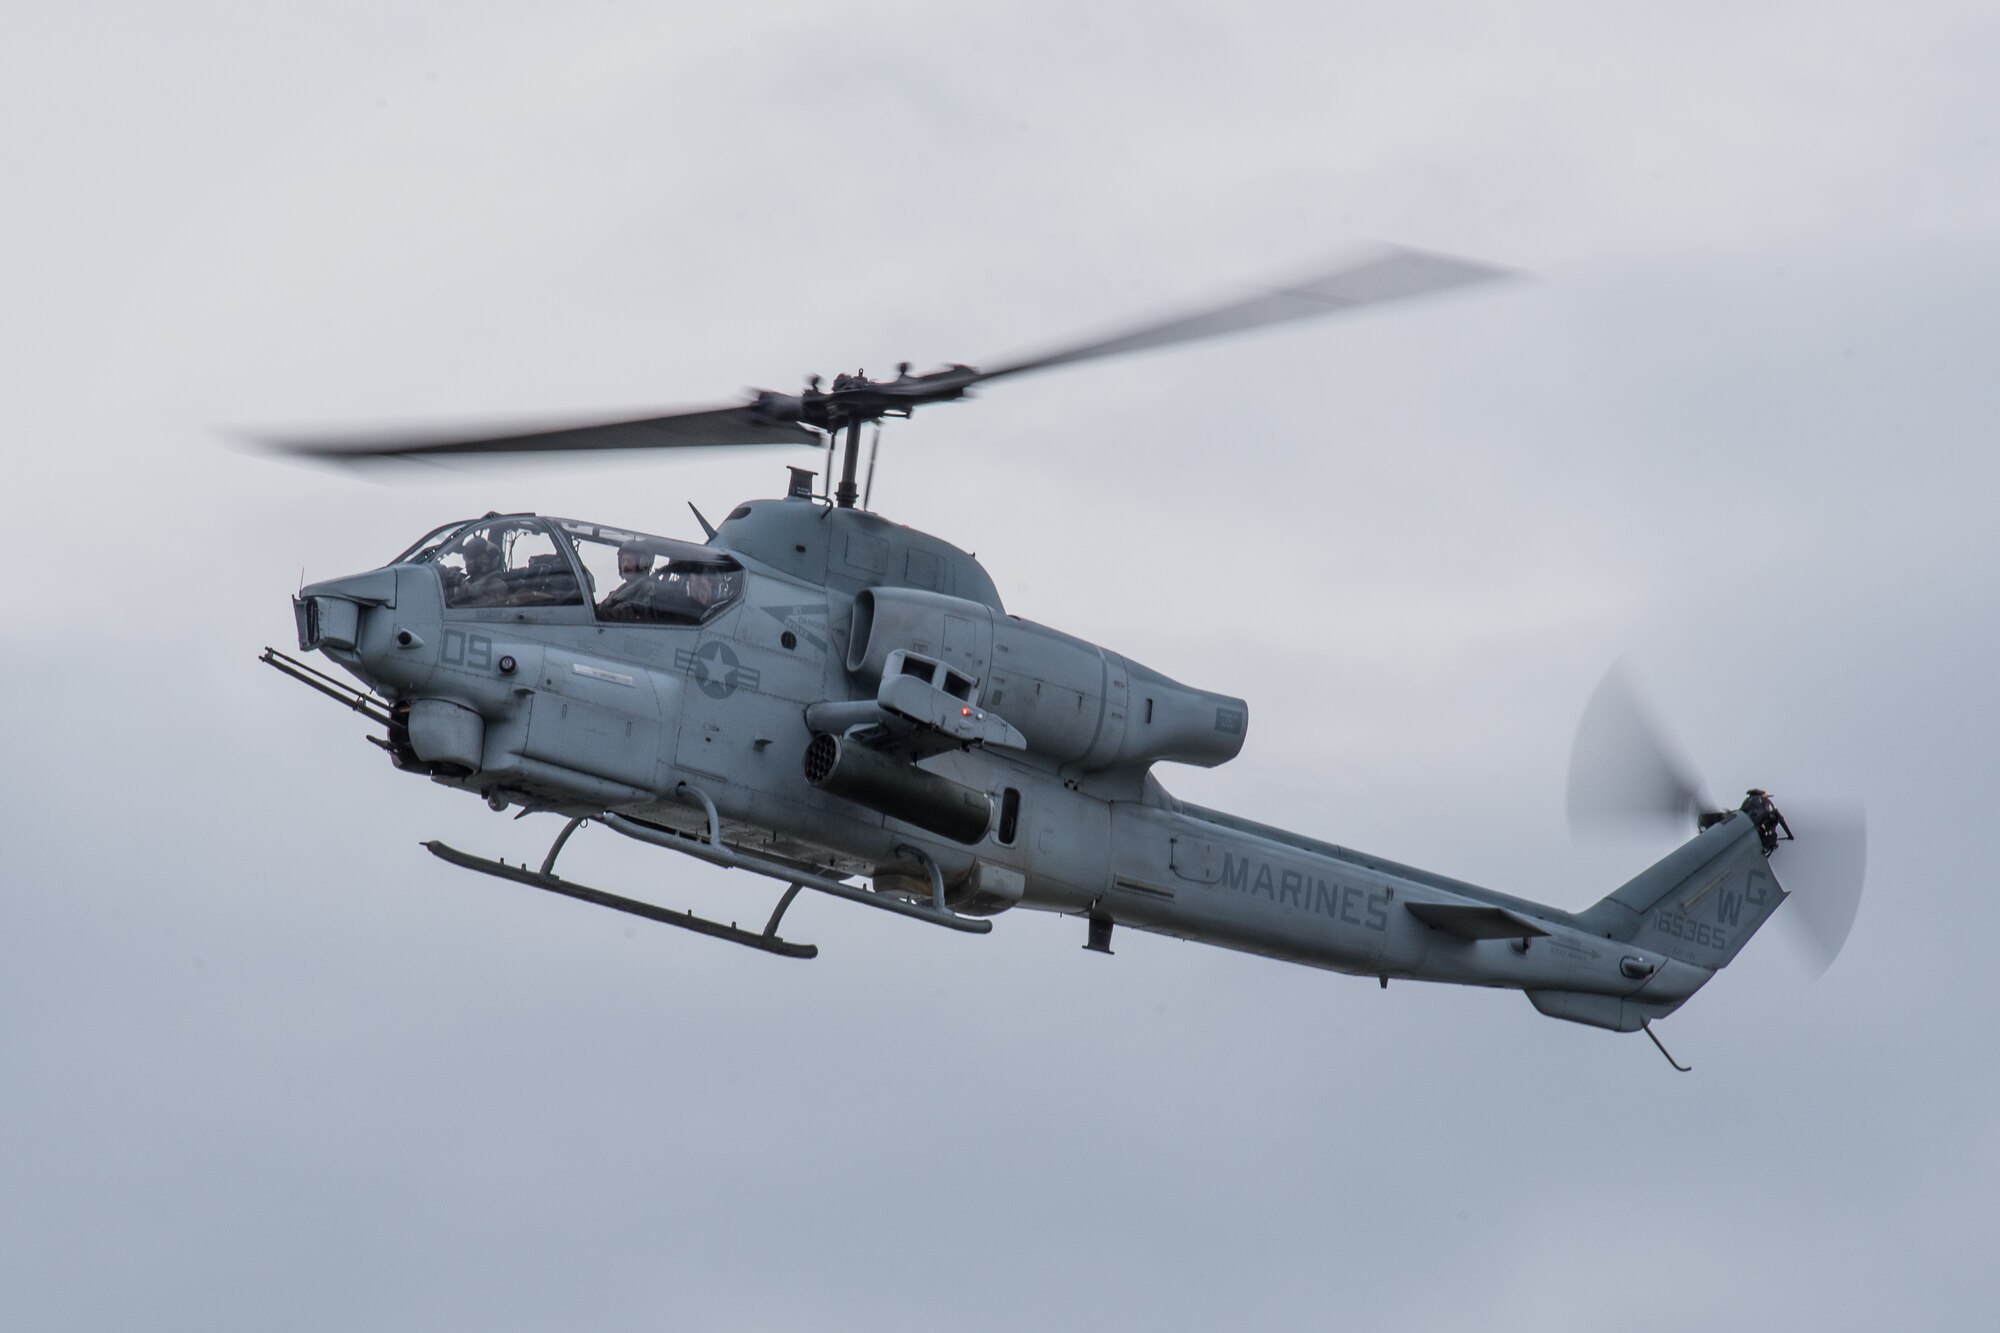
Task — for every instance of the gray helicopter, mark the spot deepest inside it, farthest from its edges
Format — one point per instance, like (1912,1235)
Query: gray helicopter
(835,702)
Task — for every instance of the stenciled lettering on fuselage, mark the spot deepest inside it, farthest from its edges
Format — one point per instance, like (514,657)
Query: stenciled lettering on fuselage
(716,669)
(1698,933)
(1757,886)
(808,621)
(457,648)
(1347,903)
(1729,907)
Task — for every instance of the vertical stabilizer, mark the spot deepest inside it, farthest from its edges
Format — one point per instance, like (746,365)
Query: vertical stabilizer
(1701,903)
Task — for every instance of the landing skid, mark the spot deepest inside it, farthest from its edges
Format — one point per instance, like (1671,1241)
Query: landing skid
(768,941)
(714,851)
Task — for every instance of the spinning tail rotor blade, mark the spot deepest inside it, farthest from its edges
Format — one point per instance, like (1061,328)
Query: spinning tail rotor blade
(1822,871)
(1624,771)
(1393,274)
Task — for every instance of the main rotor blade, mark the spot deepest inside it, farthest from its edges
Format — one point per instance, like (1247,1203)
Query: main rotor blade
(1389,274)
(1393,274)
(1823,869)
(1624,770)
(697,428)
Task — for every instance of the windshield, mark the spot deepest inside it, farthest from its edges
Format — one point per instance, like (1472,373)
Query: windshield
(643,580)
(421,552)
(503,562)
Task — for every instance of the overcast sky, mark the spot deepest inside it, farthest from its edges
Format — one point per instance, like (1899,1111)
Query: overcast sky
(264,1064)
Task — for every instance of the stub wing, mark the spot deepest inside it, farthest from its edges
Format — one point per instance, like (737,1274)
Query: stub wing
(1473,921)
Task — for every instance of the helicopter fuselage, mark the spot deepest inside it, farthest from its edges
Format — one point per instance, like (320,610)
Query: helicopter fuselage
(849,697)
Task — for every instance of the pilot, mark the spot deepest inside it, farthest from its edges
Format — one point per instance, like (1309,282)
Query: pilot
(705,588)
(634,561)
(481,584)
(631,599)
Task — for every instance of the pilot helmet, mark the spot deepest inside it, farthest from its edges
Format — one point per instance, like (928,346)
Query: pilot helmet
(634,558)
(482,556)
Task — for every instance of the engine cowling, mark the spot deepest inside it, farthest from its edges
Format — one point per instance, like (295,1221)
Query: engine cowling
(1076,703)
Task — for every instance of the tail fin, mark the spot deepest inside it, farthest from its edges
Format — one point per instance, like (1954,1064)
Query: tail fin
(1701,903)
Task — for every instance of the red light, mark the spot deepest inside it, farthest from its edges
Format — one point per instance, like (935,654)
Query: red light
(965,712)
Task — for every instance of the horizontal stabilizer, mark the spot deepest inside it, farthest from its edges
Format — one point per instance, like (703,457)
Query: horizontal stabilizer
(1471,921)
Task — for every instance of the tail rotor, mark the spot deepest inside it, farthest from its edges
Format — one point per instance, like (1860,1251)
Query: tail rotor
(1627,775)
(1623,769)
(1823,867)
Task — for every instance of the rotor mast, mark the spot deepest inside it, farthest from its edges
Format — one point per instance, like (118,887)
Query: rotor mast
(845,496)
(855,400)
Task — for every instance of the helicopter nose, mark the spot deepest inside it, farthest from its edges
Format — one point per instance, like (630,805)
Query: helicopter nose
(329,613)
(381,625)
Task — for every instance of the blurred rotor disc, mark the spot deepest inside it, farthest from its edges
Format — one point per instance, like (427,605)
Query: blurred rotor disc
(1822,870)
(1626,775)
(1624,771)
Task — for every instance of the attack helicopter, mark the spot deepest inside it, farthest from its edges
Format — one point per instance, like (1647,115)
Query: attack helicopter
(832,701)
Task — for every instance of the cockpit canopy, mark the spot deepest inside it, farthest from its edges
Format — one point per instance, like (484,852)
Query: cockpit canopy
(520,560)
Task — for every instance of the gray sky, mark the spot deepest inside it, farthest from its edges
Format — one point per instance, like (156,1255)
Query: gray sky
(268,1065)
